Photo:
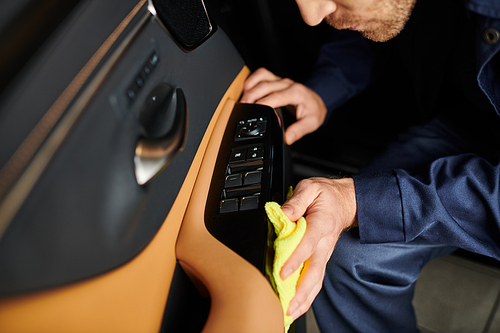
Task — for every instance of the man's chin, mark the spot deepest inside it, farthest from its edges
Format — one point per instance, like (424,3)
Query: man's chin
(380,36)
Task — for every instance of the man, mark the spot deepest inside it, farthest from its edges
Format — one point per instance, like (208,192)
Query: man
(435,190)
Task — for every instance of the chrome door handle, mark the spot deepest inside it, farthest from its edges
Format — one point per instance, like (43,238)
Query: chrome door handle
(164,118)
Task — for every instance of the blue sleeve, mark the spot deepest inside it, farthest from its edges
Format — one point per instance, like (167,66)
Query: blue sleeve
(343,69)
(456,202)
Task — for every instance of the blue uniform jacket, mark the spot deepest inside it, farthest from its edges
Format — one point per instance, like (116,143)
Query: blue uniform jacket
(455,200)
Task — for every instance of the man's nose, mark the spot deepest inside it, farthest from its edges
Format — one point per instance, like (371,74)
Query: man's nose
(314,11)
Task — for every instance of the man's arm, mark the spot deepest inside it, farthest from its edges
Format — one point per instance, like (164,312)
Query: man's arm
(344,69)
(455,201)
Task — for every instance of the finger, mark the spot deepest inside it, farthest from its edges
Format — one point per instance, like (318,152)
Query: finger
(299,129)
(304,194)
(304,251)
(311,280)
(309,286)
(258,76)
(268,93)
(313,237)
(303,300)
(284,92)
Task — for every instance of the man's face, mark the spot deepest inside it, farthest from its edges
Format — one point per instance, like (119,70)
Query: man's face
(378,20)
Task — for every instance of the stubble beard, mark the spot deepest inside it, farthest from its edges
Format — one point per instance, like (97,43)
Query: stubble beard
(378,29)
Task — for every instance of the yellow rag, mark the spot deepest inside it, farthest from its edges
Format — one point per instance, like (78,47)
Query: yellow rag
(288,237)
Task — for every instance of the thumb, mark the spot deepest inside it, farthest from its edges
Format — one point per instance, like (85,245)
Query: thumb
(296,131)
(290,137)
(294,208)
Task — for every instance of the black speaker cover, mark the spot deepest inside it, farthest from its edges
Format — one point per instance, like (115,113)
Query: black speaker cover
(186,20)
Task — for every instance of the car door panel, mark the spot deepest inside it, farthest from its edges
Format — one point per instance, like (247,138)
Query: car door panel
(83,245)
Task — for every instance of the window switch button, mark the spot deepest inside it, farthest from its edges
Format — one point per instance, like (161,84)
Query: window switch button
(248,203)
(233,181)
(229,205)
(252,177)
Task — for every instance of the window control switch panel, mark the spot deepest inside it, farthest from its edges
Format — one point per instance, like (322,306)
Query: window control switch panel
(249,172)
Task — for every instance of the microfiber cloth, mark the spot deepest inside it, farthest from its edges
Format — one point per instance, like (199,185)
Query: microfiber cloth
(288,236)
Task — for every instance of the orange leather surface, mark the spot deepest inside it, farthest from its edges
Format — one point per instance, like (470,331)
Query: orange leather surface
(131,298)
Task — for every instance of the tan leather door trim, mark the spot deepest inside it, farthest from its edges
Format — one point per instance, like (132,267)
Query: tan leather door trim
(132,297)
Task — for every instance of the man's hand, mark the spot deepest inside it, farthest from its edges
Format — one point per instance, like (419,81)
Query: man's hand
(329,207)
(263,87)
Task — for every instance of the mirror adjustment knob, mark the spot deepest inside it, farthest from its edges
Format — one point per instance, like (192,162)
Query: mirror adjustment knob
(252,129)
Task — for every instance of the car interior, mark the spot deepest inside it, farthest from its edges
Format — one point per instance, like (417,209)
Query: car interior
(133,182)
